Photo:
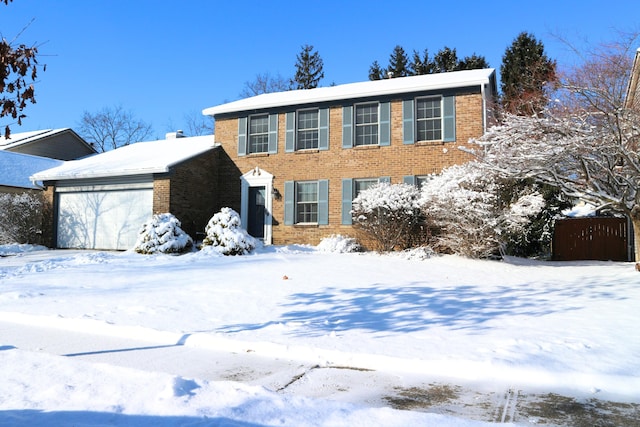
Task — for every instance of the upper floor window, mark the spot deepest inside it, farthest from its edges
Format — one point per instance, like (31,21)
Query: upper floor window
(307,130)
(366,124)
(259,134)
(306,202)
(429,119)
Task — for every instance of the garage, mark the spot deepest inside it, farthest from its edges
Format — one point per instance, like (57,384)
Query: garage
(102,217)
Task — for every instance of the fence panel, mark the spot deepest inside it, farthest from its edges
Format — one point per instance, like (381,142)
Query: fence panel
(598,238)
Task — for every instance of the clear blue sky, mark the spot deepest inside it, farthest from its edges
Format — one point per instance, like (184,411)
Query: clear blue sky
(164,59)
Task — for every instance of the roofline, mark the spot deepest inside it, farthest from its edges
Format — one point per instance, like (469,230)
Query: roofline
(48,134)
(350,91)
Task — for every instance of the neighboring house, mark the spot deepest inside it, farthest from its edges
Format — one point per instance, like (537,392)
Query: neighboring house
(15,170)
(293,161)
(101,201)
(61,144)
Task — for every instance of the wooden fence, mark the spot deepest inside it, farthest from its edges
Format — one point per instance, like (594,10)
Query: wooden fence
(594,238)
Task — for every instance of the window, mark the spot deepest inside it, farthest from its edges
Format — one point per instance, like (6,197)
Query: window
(429,119)
(359,185)
(366,124)
(259,134)
(306,202)
(307,133)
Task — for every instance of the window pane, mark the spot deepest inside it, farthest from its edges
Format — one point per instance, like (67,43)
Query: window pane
(429,119)
(307,130)
(259,134)
(306,202)
(361,185)
(366,124)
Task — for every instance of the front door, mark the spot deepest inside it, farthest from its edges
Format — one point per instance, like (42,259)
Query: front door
(256,214)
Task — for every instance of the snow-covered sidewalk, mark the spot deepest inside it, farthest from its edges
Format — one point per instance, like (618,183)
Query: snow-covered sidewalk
(566,328)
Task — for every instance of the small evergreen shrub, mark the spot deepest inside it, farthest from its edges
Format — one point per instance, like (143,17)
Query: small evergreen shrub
(339,244)
(226,235)
(162,234)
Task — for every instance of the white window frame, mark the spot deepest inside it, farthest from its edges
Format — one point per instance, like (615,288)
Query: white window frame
(261,134)
(357,125)
(440,119)
(316,129)
(297,202)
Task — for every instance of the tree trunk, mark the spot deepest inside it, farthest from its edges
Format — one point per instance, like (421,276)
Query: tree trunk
(635,223)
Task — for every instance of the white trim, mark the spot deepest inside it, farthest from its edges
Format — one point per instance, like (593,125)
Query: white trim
(258,178)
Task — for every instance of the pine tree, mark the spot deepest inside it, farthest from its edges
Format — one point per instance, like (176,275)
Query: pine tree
(421,65)
(398,63)
(445,60)
(525,72)
(473,62)
(308,69)
(375,72)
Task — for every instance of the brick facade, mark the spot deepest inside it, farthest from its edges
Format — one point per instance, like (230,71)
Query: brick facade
(394,161)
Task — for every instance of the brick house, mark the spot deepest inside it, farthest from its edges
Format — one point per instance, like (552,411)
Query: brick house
(292,162)
(101,201)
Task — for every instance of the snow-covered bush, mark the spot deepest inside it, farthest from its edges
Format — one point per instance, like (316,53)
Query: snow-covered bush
(388,214)
(21,218)
(225,234)
(163,234)
(337,243)
(465,206)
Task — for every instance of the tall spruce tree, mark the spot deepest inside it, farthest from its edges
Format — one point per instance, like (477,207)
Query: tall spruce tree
(309,69)
(445,60)
(525,73)
(375,72)
(420,65)
(473,62)
(398,63)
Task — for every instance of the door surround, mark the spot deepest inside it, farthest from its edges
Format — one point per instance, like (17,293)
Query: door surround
(257,177)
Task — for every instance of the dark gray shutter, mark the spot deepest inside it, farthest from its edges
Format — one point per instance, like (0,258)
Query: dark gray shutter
(347,197)
(273,133)
(323,124)
(408,124)
(289,202)
(347,127)
(323,202)
(385,124)
(409,180)
(290,137)
(449,118)
(242,136)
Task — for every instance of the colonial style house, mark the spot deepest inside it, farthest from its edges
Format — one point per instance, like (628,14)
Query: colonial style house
(294,161)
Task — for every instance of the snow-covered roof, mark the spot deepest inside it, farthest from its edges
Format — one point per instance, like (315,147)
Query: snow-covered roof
(19,138)
(135,159)
(15,168)
(440,81)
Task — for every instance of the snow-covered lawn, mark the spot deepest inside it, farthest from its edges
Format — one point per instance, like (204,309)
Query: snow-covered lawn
(569,328)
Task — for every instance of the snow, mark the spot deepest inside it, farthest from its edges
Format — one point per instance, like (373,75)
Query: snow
(384,87)
(134,159)
(19,138)
(16,168)
(567,328)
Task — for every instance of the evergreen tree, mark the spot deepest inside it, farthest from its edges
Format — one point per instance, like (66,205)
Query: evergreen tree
(421,65)
(445,60)
(525,72)
(375,72)
(308,69)
(473,62)
(398,62)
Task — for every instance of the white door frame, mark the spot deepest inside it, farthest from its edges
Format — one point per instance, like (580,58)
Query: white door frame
(257,178)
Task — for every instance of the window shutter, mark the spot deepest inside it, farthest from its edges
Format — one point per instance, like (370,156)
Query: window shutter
(242,136)
(273,133)
(323,202)
(347,197)
(289,200)
(409,180)
(449,118)
(347,127)
(323,124)
(385,124)
(290,137)
(386,179)
(408,125)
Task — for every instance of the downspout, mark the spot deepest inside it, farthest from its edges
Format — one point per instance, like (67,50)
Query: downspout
(484,108)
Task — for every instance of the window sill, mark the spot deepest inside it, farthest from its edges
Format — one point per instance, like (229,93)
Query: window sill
(307,151)
(429,143)
(306,225)
(257,155)
(366,147)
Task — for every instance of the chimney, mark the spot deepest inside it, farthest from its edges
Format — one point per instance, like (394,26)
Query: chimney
(175,135)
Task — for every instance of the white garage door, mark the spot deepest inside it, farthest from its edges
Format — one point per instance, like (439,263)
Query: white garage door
(106,219)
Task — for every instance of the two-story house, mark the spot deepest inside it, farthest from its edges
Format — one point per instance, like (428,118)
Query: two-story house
(295,160)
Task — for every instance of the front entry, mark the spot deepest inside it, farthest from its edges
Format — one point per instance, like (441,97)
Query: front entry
(256,212)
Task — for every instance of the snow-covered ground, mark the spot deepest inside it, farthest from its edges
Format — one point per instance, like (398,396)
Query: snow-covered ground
(74,324)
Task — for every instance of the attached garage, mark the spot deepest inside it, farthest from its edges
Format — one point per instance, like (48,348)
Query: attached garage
(100,202)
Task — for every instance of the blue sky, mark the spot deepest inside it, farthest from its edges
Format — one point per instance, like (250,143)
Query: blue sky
(166,59)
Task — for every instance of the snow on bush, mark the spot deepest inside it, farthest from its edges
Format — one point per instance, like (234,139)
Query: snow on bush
(162,234)
(337,243)
(388,214)
(226,235)
(21,218)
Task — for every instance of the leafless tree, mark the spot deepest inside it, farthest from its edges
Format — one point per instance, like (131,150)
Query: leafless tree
(265,83)
(112,127)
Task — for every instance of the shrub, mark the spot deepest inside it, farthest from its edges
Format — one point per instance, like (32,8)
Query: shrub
(388,214)
(225,234)
(163,234)
(339,244)
(21,218)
